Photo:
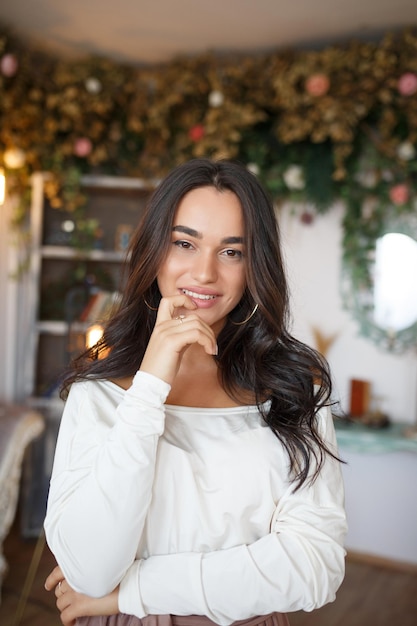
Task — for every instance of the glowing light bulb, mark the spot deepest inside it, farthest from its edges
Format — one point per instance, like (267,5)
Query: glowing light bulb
(93,335)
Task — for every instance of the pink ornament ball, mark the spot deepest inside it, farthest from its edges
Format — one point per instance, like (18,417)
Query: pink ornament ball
(407,84)
(317,85)
(82,147)
(9,65)
(399,194)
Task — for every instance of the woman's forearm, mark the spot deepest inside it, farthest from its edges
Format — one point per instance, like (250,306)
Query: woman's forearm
(102,485)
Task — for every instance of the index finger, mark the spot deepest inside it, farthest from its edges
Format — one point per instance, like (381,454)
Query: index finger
(169,306)
(53,579)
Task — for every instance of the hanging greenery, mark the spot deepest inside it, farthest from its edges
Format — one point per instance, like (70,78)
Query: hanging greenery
(316,126)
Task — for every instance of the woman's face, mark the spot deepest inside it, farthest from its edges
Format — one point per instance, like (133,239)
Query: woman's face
(206,256)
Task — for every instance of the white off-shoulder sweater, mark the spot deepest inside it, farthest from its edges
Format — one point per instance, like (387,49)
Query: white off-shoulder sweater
(190,510)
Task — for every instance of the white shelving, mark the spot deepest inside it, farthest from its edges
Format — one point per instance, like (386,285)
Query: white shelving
(59,327)
(65,252)
(110,200)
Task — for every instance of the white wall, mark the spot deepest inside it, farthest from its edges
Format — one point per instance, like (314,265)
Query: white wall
(381,504)
(313,255)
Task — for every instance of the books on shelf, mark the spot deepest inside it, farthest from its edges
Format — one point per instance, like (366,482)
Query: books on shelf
(99,306)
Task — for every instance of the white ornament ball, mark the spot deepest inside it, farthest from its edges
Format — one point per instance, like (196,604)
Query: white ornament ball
(294,177)
(367,178)
(406,151)
(93,85)
(68,226)
(216,99)
(253,168)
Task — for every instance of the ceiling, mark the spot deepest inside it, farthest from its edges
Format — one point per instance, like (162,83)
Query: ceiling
(151,31)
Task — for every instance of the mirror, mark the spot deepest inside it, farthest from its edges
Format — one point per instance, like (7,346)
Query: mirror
(395,282)
(385,305)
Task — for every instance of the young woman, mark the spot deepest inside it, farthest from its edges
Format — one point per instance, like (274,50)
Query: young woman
(196,477)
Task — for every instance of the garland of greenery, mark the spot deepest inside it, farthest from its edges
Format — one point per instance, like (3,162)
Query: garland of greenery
(316,126)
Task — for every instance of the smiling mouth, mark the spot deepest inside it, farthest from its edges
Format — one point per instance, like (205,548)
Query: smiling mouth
(197,296)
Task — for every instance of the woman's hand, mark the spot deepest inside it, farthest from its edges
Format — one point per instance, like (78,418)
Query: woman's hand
(72,604)
(173,334)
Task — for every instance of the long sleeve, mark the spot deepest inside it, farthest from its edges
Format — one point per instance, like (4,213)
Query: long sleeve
(298,565)
(102,480)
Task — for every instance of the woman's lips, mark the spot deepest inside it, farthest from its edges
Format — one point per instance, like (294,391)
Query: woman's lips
(203,300)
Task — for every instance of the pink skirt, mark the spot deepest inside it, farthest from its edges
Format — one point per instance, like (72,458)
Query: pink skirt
(273,619)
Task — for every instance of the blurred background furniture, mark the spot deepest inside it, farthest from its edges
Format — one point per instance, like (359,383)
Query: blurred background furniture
(19,426)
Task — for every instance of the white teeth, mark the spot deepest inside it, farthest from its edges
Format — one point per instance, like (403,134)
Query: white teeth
(199,296)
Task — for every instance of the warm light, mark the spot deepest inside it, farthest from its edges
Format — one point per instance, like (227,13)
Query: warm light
(93,335)
(2,185)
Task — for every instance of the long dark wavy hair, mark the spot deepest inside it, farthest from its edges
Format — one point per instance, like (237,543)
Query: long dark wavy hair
(260,355)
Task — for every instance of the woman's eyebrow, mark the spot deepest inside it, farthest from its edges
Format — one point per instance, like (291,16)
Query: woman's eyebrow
(194,233)
(232,240)
(187,231)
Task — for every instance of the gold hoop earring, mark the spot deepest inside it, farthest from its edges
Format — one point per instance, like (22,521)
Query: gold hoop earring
(247,319)
(151,308)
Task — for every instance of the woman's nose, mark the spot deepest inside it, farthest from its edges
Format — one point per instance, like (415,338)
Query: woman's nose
(204,268)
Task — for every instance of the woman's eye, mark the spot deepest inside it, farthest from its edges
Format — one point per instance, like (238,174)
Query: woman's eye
(233,254)
(184,245)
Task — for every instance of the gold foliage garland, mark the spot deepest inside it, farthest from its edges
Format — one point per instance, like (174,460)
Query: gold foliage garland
(316,126)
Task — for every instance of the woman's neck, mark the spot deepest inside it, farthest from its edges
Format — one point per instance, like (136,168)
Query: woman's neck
(198,383)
